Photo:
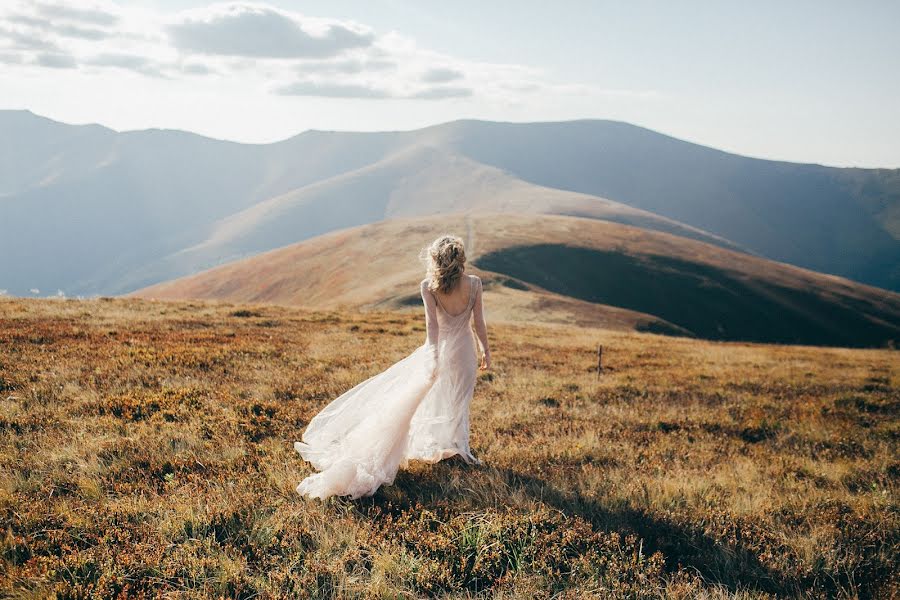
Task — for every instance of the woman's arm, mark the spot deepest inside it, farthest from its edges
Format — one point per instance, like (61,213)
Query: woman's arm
(432,329)
(480,327)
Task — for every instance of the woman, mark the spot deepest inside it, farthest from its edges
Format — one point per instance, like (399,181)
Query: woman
(418,409)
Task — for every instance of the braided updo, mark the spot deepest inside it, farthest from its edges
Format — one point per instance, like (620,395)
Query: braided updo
(445,259)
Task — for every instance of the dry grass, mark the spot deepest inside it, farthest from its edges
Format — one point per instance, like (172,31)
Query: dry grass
(147,451)
(563,270)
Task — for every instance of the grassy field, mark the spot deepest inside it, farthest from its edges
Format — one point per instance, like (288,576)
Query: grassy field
(146,450)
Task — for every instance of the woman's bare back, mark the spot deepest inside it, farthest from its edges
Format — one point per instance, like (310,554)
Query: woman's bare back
(457,300)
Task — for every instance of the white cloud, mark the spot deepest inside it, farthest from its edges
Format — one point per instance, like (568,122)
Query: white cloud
(62,29)
(440,93)
(353,90)
(196,69)
(284,52)
(262,31)
(35,291)
(27,20)
(89,12)
(18,39)
(331,90)
(130,62)
(207,67)
(56,61)
(346,66)
(441,75)
(86,33)
(10,58)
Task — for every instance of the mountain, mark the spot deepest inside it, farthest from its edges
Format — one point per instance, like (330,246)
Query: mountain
(840,221)
(543,268)
(94,211)
(91,206)
(415,182)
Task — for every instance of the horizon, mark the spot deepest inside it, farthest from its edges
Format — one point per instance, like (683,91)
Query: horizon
(809,90)
(440,124)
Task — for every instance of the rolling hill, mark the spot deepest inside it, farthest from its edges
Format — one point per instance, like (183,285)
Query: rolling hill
(94,211)
(416,182)
(565,269)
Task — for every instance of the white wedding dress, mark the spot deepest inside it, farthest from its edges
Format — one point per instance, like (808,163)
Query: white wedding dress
(418,409)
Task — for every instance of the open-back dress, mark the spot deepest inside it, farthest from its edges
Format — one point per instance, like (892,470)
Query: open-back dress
(418,409)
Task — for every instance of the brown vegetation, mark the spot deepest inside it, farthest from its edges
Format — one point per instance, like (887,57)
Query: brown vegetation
(147,451)
(543,268)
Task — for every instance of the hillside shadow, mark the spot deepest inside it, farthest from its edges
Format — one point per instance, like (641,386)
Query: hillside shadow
(710,302)
(683,546)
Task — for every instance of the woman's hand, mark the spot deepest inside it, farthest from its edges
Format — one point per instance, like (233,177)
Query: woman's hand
(485,362)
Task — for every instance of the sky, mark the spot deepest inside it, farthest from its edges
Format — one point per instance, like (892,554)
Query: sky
(801,81)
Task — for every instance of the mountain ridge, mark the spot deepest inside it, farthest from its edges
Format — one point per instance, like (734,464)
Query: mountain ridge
(103,212)
(452,122)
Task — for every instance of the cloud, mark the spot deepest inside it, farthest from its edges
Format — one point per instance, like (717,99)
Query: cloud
(363,90)
(348,66)
(441,75)
(24,41)
(93,15)
(521,86)
(255,46)
(441,93)
(331,90)
(56,61)
(62,29)
(11,58)
(27,20)
(131,62)
(196,69)
(85,33)
(265,32)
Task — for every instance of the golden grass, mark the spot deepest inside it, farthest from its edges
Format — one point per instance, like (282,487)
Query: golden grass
(147,451)
(375,266)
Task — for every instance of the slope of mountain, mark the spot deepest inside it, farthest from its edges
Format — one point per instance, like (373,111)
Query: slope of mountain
(102,212)
(840,221)
(554,268)
(419,181)
(90,206)
(94,211)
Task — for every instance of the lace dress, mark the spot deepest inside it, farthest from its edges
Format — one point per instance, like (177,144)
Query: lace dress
(418,409)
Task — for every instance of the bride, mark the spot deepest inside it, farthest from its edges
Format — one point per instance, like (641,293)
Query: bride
(418,409)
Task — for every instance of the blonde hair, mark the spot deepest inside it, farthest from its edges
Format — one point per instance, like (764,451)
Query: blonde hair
(445,260)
